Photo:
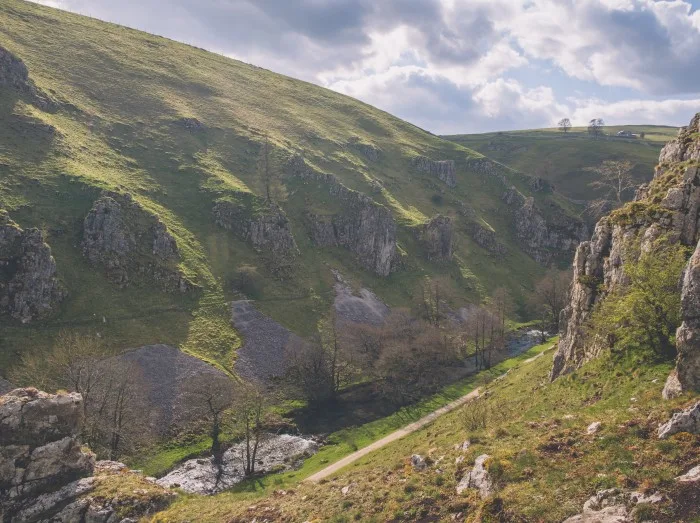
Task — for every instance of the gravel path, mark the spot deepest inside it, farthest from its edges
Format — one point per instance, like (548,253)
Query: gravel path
(261,357)
(417,425)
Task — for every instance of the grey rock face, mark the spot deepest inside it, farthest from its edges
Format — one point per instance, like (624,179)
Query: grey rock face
(686,421)
(29,288)
(363,226)
(478,478)
(599,263)
(692,476)
(486,238)
(443,170)
(418,463)
(269,232)
(542,238)
(39,450)
(14,74)
(130,243)
(436,236)
(686,376)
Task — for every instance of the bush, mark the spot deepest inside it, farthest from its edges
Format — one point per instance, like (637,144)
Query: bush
(476,415)
(247,281)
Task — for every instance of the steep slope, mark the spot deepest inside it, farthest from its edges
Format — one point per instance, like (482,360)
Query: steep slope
(142,161)
(562,158)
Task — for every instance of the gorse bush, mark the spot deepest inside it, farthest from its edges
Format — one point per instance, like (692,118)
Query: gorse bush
(645,312)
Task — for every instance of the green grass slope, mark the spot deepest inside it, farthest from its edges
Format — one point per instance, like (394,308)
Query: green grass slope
(121,97)
(561,158)
(543,462)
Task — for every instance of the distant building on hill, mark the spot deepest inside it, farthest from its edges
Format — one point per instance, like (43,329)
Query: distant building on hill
(626,134)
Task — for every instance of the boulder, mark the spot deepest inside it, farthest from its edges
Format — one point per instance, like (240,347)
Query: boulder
(29,286)
(685,421)
(418,463)
(692,476)
(478,478)
(594,427)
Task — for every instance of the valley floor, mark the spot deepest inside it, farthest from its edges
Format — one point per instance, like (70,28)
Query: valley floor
(543,462)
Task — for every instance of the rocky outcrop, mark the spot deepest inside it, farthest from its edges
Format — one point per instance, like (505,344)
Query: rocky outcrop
(443,170)
(436,237)
(614,506)
(370,151)
(486,238)
(131,244)
(362,226)
(15,75)
(276,453)
(669,206)
(685,421)
(543,238)
(686,375)
(39,447)
(478,478)
(47,476)
(29,287)
(191,124)
(268,230)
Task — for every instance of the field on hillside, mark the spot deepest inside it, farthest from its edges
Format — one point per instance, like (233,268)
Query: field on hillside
(126,101)
(543,462)
(562,157)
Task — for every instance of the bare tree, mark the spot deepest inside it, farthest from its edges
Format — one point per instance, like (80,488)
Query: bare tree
(209,396)
(550,298)
(249,411)
(615,178)
(564,125)
(595,127)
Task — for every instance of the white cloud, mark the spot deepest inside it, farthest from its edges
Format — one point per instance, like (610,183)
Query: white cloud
(672,112)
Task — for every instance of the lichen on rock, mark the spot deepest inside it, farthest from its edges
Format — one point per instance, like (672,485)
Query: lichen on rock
(131,244)
(29,287)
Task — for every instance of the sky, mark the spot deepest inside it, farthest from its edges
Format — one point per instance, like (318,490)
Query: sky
(455,66)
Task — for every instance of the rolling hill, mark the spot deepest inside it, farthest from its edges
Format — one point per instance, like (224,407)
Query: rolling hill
(141,161)
(561,158)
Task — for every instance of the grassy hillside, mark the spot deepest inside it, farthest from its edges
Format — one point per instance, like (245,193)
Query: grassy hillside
(543,462)
(122,96)
(561,158)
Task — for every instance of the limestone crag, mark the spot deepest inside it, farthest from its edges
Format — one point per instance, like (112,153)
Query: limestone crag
(614,506)
(668,206)
(362,226)
(443,170)
(369,151)
(485,238)
(436,236)
(686,376)
(39,449)
(29,288)
(542,238)
(46,476)
(131,243)
(15,75)
(267,230)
